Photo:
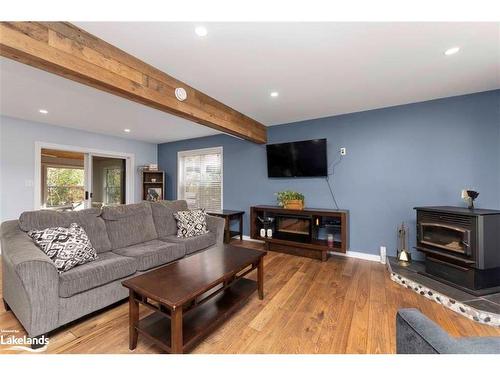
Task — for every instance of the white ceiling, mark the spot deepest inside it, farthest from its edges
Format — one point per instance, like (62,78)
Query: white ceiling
(24,90)
(319,69)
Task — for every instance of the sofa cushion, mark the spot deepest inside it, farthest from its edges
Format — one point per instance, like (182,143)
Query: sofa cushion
(90,220)
(105,269)
(152,253)
(163,216)
(129,224)
(193,244)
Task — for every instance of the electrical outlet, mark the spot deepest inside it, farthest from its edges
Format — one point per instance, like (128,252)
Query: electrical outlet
(343,151)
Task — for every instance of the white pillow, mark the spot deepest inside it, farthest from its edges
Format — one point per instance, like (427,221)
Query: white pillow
(191,223)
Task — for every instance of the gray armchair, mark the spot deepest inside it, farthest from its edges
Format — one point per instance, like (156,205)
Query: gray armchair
(417,334)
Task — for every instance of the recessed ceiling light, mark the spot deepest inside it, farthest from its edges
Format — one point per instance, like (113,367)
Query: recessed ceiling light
(274,94)
(201,31)
(451,51)
(43,111)
(126,130)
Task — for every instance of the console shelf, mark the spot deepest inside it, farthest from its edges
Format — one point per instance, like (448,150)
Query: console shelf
(301,232)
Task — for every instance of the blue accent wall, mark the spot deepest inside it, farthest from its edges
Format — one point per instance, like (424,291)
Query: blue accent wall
(397,158)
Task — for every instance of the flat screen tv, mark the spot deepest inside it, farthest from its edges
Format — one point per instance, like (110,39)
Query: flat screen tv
(297,159)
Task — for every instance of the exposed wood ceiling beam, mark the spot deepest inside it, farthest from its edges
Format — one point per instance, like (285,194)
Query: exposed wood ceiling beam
(66,50)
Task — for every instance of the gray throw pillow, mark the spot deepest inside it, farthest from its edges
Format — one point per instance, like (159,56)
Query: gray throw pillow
(191,223)
(66,247)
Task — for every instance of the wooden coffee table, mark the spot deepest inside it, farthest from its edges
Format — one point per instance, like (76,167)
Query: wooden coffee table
(192,296)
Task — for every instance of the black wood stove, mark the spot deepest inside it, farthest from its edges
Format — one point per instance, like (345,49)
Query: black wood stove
(461,246)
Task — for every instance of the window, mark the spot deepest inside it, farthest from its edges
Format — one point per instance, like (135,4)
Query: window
(64,186)
(200,178)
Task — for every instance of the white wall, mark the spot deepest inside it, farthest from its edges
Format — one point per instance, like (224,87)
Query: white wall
(17,158)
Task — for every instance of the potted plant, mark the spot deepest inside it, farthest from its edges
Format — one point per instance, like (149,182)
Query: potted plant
(290,200)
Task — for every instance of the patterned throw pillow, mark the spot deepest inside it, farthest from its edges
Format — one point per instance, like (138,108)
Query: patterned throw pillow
(191,223)
(66,247)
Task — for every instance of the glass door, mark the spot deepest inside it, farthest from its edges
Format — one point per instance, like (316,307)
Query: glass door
(72,181)
(293,228)
(446,237)
(62,180)
(108,181)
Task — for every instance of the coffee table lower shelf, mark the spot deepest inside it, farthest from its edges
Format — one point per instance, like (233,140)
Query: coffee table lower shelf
(199,321)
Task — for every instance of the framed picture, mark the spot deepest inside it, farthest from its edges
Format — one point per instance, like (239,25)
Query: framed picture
(155,194)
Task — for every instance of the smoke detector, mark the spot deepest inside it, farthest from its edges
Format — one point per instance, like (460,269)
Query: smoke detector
(180,94)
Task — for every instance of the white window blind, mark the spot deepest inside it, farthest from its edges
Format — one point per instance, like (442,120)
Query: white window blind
(200,178)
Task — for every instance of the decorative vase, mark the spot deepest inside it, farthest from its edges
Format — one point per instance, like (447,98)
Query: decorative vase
(269,233)
(262,232)
(468,196)
(294,204)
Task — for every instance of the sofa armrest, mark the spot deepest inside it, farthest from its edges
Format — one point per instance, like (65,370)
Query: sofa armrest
(417,334)
(30,280)
(216,225)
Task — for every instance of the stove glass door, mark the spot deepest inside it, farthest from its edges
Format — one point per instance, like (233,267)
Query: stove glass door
(445,237)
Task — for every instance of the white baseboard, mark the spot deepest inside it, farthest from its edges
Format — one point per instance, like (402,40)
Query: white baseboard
(359,255)
(349,254)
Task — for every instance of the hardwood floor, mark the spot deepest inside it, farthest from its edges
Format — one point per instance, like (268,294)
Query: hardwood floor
(343,305)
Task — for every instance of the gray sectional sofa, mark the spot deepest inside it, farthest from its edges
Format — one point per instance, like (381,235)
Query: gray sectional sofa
(417,334)
(129,240)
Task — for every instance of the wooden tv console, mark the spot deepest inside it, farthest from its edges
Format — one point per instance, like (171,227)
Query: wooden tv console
(302,232)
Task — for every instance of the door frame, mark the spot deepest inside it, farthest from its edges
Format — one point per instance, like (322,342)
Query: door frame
(129,167)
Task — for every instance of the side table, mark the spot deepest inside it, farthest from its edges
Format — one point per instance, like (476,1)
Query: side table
(229,216)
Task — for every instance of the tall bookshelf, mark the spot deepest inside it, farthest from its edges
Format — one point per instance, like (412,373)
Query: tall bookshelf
(153,185)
